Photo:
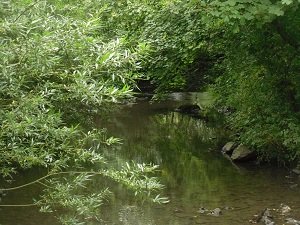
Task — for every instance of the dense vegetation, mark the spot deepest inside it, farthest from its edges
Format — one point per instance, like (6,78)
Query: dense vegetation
(248,51)
(64,60)
(57,70)
(259,78)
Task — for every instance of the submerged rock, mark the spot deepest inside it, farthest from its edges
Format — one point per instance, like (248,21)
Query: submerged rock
(242,153)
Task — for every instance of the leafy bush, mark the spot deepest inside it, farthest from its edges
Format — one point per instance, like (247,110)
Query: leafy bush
(52,61)
(260,82)
(55,61)
(172,37)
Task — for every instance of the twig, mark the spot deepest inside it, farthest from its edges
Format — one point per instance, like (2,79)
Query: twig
(46,176)
(47,186)
(26,9)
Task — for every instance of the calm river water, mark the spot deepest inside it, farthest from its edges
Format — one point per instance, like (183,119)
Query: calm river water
(194,173)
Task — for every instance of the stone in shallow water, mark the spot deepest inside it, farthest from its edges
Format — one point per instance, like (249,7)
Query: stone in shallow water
(216,212)
(242,153)
(266,217)
(202,210)
(228,148)
(284,209)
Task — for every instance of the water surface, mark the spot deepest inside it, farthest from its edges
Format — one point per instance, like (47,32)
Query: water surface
(194,173)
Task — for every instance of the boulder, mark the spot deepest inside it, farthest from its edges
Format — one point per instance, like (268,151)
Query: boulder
(242,153)
(228,148)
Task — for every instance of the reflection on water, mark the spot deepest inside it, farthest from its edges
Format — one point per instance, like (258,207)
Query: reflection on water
(194,174)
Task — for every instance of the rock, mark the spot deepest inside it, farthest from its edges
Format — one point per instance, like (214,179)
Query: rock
(216,212)
(267,213)
(284,209)
(265,217)
(188,109)
(267,221)
(202,210)
(242,153)
(292,221)
(228,148)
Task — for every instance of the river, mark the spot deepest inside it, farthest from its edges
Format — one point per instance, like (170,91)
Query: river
(195,174)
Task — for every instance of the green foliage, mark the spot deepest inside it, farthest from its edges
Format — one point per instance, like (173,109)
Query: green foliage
(239,12)
(171,36)
(57,66)
(176,37)
(261,84)
(254,46)
(133,176)
(54,60)
(67,61)
(61,60)
(67,193)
